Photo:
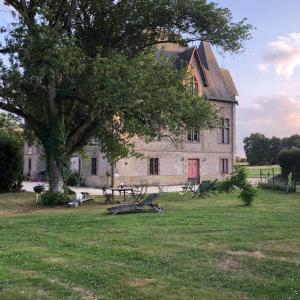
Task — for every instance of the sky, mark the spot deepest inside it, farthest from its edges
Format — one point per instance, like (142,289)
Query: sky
(267,72)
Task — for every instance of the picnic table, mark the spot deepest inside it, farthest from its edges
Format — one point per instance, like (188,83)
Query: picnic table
(121,190)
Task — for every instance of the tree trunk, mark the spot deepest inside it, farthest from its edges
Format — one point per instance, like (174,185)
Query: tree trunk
(113,174)
(56,182)
(55,146)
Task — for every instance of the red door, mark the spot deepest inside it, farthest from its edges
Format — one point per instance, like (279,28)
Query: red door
(193,169)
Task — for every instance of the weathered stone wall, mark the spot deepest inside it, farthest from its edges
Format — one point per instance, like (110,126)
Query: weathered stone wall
(172,160)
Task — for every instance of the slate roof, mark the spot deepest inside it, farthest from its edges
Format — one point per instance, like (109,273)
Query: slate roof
(218,83)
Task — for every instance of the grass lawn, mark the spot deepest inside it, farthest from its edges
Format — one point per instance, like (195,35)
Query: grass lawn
(254,171)
(199,249)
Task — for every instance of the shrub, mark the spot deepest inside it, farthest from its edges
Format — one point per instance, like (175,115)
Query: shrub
(239,180)
(17,186)
(73,179)
(11,164)
(289,161)
(247,194)
(53,199)
(225,186)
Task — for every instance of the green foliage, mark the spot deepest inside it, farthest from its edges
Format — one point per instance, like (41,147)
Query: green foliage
(76,66)
(11,164)
(73,179)
(261,150)
(239,180)
(247,193)
(255,148)
(289,161)
(54,199)
(291,142)
(10,127)
(225,186)
(274,147)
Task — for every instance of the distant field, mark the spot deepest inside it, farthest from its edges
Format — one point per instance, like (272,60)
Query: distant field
(254,171)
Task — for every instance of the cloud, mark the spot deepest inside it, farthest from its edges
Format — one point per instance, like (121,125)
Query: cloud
(283,54)
(273,116)
(263,68)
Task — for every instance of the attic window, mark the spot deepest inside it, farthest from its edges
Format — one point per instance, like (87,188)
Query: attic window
(193,83)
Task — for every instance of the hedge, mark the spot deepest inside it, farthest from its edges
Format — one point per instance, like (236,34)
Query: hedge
(11,164)
(289,161)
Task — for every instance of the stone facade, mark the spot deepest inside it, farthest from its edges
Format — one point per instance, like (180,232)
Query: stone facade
(34,161)
(212,154)
(173,161)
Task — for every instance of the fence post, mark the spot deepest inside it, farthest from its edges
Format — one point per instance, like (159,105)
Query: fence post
(294,178)
(260,175)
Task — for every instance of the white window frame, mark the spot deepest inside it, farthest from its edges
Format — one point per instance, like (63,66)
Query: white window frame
(193,135)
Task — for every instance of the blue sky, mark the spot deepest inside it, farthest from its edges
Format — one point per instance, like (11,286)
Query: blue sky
(267,73)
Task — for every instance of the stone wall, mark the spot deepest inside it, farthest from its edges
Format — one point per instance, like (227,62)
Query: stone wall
(172,160)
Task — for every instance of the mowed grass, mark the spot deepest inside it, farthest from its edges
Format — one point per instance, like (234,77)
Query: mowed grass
(198,249)
(267,171)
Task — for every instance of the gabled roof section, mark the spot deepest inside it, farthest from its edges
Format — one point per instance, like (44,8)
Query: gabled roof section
(220,84)
(217,82)
(184,59)
(229,82)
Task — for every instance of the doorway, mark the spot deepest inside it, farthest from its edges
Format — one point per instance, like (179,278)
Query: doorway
(193,170)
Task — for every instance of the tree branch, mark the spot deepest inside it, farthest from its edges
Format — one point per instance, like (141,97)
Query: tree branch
(13,109)
(77,133)
(10,50)
(36,126)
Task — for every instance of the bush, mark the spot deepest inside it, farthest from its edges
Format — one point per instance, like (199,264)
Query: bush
(54,199)
(73,179)
(17,186)
(289,161)
(239,180)
(248,193)
(11,164)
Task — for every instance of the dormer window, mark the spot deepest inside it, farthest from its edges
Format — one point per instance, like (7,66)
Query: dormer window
(193,83)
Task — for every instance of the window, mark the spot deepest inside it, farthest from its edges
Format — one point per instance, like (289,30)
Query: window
(153,166)
(225,131)
(193,135)
(29,150)
(94,166)
(193,83)
(224,166)
(29,164)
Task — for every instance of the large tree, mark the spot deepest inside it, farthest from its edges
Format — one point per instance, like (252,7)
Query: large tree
(256,148)
(292,141)
(84,69)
